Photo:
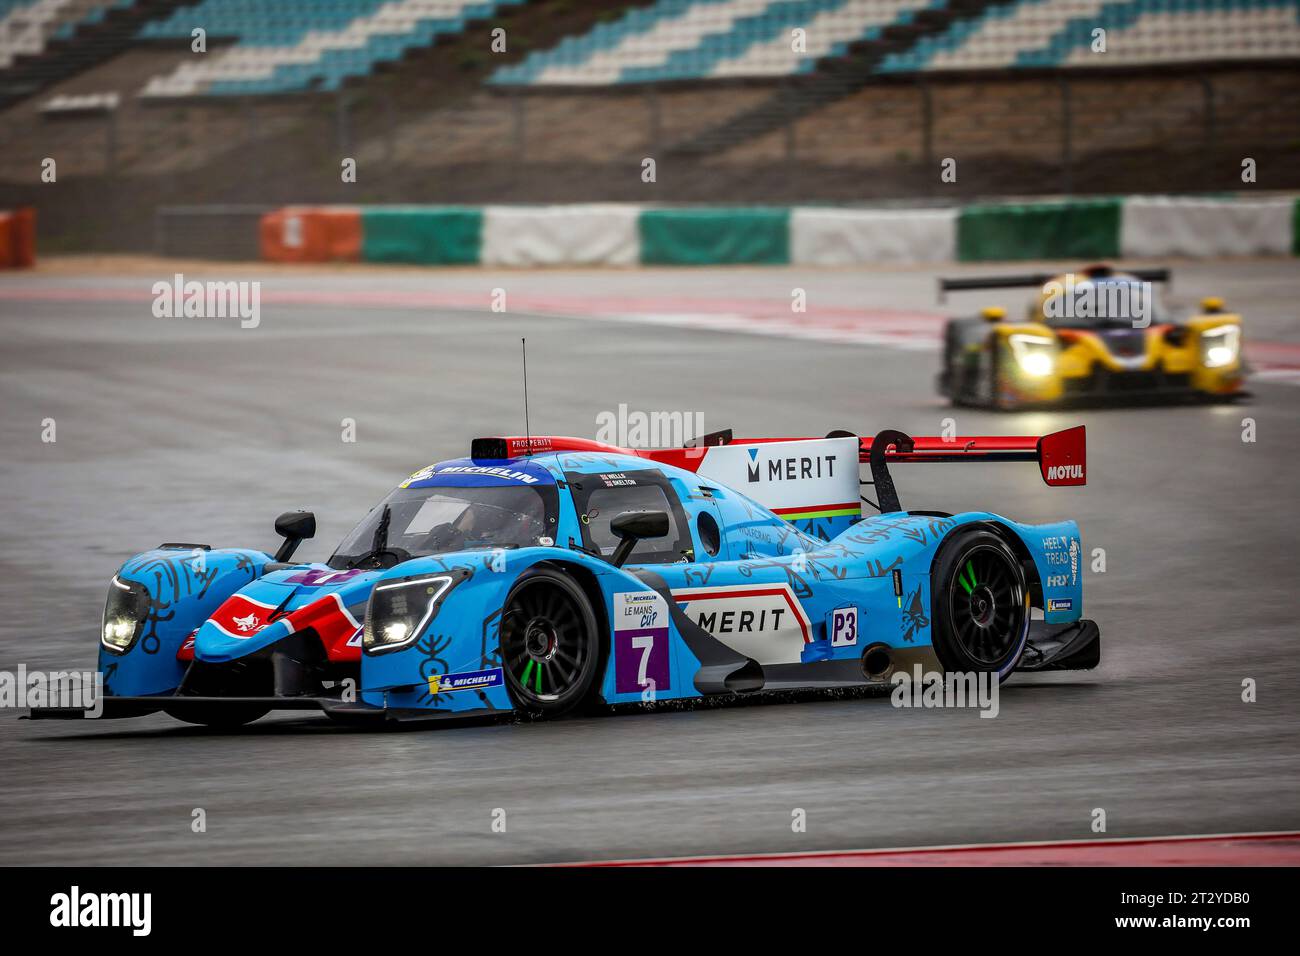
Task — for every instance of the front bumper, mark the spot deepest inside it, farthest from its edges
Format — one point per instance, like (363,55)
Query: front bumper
(1062,647)
(1105,385)
(119,708)
(1106,382)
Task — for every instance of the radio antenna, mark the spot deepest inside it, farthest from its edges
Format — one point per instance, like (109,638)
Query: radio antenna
(528,434)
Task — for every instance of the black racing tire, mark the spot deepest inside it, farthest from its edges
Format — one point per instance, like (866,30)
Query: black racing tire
(219,716)
(550,643)
(993,396)
(979,604)
(949,381)
(955,378)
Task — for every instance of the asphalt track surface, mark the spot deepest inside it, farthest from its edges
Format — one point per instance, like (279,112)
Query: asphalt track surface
(197,430)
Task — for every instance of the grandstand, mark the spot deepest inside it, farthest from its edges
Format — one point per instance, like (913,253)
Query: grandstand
(45,41)
(717,39)
(305,47)
(709,39)
(738,101)
(1059,34)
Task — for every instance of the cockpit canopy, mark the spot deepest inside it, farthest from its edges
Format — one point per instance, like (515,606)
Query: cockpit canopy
(1100,300)
(457,505)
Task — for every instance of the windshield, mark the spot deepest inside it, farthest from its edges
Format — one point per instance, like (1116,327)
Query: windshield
(435,520)
(1103,305)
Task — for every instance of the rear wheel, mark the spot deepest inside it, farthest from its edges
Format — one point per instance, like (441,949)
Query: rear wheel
(980,604)
(550,649)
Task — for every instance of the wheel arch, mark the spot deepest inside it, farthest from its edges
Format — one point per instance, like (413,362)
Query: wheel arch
(1014,541)
(586,580)
(1033,580)
(1009,537)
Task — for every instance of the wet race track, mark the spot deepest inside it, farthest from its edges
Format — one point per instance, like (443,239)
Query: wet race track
(197,430)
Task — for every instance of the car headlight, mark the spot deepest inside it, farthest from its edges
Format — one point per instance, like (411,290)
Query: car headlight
(399,611)
(1220,345)
(1035,354)
(124,615)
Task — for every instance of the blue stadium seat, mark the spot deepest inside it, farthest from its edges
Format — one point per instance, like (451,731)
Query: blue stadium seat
(292,45)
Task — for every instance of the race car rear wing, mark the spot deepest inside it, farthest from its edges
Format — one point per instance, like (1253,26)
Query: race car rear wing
(1061,456)
(1040,279)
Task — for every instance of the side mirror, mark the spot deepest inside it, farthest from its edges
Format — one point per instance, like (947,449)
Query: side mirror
(1211,304)
(993,313)
(295,527)
(631,527)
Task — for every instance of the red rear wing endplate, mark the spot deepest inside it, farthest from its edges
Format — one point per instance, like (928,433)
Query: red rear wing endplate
(1061,456)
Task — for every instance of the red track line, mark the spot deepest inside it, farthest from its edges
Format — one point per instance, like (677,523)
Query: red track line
(903,324)
(1229,849)
(546,302)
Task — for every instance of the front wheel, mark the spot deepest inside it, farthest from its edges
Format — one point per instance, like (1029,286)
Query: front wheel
(219,716)
(550,645)
(980,604)
(993,381)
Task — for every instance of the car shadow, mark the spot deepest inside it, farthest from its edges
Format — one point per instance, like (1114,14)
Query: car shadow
(320,725)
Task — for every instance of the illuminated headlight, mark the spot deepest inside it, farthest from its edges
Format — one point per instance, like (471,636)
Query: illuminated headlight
(399,611)
(1035,354)
(124,615)
(1220,345)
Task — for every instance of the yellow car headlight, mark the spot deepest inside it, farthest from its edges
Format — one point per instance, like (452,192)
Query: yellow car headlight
(1034,354)
(1220,345)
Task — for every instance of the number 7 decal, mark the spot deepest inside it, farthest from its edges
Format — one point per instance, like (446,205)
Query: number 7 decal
(645,643)
(641,650)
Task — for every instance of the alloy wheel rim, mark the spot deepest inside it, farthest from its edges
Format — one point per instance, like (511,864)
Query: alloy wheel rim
(986,605)
(543,642)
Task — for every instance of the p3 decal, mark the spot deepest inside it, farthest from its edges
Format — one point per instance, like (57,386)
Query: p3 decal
(844,627)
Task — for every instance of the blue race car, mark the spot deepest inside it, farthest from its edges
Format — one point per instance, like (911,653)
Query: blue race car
(544,573)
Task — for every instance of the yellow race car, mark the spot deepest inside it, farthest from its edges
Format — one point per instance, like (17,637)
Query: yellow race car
(1095,333)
